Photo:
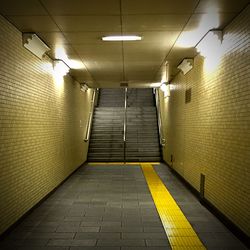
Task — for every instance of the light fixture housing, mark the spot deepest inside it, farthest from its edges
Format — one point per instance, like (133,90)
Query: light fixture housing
(186,65)
(165,89)
(60,67)
(34,44)
(122,38)
(84,87)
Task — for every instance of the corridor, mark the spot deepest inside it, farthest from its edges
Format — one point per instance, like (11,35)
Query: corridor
(88,85)
(109,207)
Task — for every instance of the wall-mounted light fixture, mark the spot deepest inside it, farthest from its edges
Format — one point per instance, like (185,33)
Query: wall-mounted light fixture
(34,44)
(84,87)
(165,89)
(60,67)
(186,65)
(121,38)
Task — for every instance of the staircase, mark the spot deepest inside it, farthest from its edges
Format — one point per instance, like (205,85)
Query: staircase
(142,142)
(106,141)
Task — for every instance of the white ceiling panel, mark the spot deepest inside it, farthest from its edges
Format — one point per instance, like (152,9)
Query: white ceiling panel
(53,38)
(208,21)
(221,6)
(88,37)
(149,51)
(115,77)
(88,23)
(138,23)
(100,49)
(139,75)
(158,6)
(33,23)
(163,38)
(104,66)
(80,7)
(22,7)
(73,30)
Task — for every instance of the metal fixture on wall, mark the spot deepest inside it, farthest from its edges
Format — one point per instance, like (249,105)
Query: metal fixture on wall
(84,87)
(186,65)
(165,88)
(34,44)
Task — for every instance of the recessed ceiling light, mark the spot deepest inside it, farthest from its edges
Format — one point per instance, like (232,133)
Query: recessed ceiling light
(121,38)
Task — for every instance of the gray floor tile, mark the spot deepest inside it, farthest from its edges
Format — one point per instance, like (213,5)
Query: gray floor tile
(111,208)
(146,248)
(123,242)
(56,242)
(157,235)
(157,242)
(95,248)
(98,235)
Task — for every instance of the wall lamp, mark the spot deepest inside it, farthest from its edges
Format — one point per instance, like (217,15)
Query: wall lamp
(34,44)
(60,67)
(165,89)
(84,87)
(186,65)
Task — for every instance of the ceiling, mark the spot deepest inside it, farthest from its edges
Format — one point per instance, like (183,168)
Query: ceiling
(73,30)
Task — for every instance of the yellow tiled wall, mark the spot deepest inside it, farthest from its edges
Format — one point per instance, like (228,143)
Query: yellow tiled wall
(42,126)
(211,134)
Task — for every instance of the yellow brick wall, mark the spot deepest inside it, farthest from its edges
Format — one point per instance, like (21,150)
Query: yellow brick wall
(211,134)
(42,126)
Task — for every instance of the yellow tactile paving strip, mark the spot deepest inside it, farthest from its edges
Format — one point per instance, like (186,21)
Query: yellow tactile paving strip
(121,163)
(179,231)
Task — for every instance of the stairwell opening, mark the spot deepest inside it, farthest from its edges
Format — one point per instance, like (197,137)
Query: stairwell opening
(141,133)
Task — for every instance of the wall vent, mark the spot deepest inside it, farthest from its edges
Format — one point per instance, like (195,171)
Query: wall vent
(188,94)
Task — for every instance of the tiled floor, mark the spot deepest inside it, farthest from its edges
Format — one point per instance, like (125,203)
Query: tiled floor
(110,208)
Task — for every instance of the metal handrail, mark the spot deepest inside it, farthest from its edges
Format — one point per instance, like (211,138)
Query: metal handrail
(87,135)
(161,134)
(125,124)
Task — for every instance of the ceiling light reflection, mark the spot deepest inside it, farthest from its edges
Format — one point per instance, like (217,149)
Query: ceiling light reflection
(209,21)
(72,63)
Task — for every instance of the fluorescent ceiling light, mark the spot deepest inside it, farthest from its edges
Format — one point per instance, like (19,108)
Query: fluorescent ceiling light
(121,38)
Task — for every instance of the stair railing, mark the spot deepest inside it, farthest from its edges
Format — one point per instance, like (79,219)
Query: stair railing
(125,124)
(159,118)
(90,118)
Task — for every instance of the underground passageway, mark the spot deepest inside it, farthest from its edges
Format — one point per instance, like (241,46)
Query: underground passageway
(124,124)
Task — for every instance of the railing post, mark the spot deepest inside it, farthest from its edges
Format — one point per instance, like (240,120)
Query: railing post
(161,134)
(90,118)
(125,124)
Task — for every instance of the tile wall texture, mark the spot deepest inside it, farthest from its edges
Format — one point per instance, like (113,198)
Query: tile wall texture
(42,127)
(211,134)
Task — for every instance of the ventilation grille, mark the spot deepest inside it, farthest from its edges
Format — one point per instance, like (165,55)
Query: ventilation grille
(188,94)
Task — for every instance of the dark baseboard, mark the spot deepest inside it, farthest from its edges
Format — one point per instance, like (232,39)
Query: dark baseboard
(224,219)
(22,218)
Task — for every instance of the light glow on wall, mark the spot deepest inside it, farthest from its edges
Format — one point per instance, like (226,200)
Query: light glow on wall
(210,48)
(165,89)
(60,68)
(190,38)
(73,64)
